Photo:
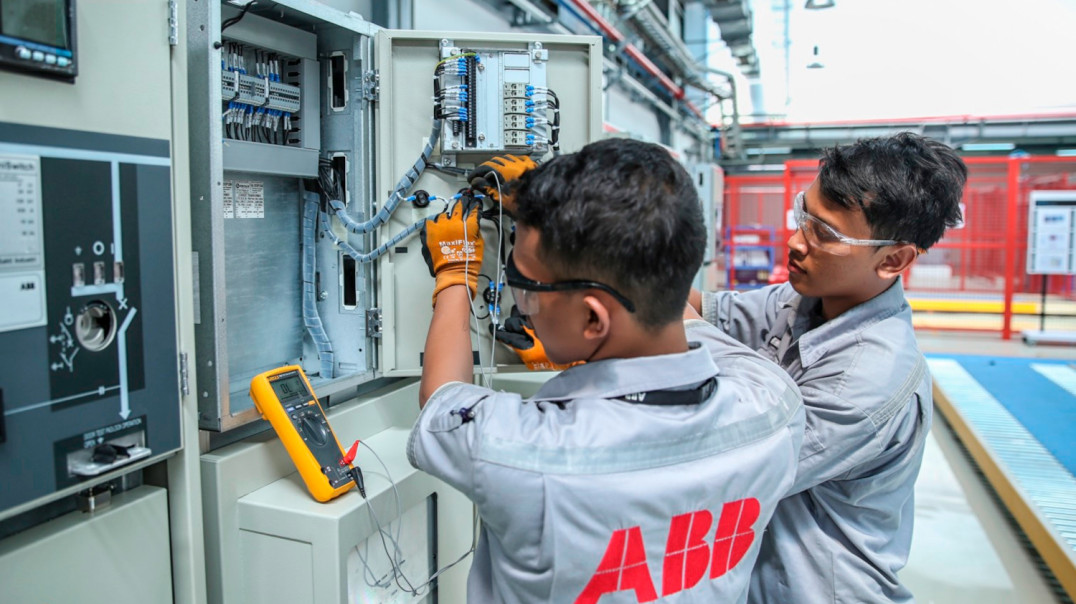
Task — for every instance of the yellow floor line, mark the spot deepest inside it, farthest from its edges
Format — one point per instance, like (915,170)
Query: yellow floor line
(972,306)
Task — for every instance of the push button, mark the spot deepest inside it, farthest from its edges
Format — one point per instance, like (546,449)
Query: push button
(63,61)
(38,55)
(23,53)
(50,59)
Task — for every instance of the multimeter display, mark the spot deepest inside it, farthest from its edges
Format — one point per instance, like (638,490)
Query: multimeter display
(290,390)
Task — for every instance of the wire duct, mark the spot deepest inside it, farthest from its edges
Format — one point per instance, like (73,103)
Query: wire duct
(397,196)
(375,254)
(311,319)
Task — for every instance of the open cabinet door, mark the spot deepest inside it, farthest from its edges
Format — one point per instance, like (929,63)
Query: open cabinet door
(496,94)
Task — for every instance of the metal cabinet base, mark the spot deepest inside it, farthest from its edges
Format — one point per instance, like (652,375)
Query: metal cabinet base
(268,540)
(116,555)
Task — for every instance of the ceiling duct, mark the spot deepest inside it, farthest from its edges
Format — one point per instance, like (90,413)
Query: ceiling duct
(733,18)
(647,20)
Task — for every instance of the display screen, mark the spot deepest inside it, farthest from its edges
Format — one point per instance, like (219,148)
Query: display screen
(290,389)
(43,21)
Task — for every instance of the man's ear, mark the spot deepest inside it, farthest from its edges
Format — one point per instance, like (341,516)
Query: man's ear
(896,261)
(598,319)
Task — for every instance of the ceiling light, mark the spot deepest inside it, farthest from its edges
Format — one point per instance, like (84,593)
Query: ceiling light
(770,151)
(988,146)
(819,4)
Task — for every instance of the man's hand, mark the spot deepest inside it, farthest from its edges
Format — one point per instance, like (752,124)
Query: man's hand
(493,177)
(452,246)
(517,335)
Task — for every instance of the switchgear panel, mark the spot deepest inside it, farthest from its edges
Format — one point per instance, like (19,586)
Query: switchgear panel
(544,93)
(90,388)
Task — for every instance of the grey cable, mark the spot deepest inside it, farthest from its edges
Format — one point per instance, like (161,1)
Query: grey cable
(397,196)
(311,319)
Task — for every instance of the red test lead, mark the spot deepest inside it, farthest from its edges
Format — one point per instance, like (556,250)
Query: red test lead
(350,456)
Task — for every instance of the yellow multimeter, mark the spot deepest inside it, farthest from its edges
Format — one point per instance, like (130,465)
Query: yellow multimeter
(284,397)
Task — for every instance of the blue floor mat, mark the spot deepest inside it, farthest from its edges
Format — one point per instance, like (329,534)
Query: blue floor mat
(1045,408)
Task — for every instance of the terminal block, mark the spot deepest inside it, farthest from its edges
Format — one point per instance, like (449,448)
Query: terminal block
(516,138)
(515,122)
(515,90)
(484,94)
(259,92)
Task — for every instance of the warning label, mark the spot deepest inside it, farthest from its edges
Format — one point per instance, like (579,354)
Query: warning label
(244,199)
(229,209)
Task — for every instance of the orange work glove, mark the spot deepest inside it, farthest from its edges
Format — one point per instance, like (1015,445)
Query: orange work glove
(501,170)
(452,246)
(517,335)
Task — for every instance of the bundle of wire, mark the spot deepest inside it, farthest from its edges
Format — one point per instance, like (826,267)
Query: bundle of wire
(395,556)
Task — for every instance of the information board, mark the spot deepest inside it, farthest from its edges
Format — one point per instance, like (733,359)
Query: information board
(1051,233)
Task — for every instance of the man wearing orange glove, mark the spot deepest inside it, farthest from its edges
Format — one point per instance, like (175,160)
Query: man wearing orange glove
(655,465)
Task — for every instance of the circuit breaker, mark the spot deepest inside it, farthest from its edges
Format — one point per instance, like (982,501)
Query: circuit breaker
(320,145)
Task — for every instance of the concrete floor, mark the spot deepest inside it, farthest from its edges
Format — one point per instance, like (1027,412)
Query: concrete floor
(941,342)
(964,550)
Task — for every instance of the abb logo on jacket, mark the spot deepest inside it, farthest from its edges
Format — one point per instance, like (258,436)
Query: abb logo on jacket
(689,555)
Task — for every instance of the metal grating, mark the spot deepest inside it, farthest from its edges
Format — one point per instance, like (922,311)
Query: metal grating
(1046,484)
(1018,531)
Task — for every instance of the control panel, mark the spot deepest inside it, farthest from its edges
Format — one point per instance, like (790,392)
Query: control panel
(496,100)
(88,335)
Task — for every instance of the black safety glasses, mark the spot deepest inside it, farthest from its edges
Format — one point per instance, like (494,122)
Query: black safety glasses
(524,289)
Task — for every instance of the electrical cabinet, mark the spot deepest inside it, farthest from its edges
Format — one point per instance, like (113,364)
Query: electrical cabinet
(709,180)
(91,384)
(320,145)
(570,65)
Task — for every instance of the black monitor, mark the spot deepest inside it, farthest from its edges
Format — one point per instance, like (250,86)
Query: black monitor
(38,37)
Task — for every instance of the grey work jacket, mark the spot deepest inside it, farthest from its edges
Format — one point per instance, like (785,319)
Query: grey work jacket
(585,496)
(846,528)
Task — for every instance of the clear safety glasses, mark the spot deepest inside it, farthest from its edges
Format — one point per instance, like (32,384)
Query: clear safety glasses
(525,291)
(824,237)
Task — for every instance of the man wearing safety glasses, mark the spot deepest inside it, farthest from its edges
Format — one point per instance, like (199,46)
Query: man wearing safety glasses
(653,467)
(843,330)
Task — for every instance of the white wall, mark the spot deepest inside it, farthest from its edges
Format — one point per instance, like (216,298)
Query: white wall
(629,117)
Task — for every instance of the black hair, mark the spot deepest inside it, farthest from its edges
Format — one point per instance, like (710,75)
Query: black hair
(622,212)
(908,186)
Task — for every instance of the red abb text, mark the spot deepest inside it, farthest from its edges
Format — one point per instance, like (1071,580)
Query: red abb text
(689,555)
